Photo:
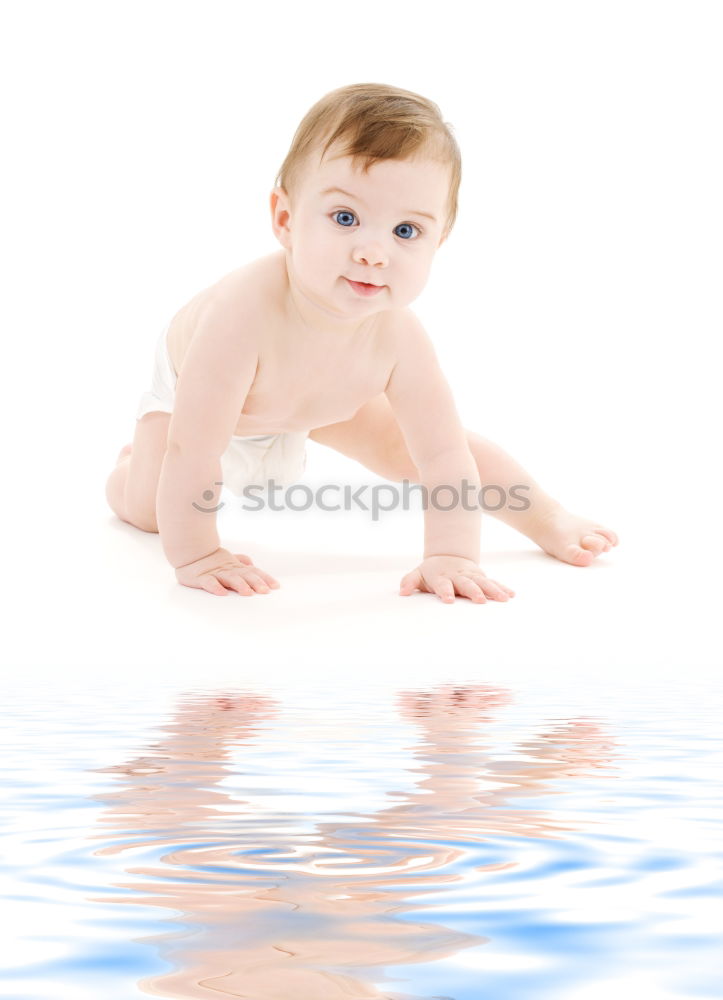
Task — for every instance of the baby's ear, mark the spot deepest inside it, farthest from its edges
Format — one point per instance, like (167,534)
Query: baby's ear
(279,201)
(279,204)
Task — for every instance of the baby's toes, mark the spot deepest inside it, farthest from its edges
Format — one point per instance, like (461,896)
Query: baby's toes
(594,543)
(578,556)
(608,535)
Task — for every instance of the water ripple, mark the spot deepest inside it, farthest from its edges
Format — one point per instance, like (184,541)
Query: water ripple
(458,842)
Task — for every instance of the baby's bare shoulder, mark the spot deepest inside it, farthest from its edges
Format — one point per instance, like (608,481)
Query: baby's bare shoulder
(250,294)
(229,315)
(260,282)
(401,329)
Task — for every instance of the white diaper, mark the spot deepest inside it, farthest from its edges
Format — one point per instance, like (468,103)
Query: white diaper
(247,460)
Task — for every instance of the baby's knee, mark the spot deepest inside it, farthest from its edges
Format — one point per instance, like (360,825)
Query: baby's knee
(144,521)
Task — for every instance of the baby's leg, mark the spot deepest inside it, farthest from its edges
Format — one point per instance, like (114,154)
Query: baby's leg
(374,438)
(572,539)
(133,484)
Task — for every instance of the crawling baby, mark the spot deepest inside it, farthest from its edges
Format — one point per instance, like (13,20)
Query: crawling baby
(317,340)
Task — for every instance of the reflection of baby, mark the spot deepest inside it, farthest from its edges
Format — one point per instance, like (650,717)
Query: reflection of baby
(318,340)
(278,913)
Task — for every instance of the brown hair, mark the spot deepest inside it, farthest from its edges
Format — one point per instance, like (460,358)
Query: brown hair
(375,121)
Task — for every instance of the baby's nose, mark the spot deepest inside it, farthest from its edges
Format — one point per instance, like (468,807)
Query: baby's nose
(371,253)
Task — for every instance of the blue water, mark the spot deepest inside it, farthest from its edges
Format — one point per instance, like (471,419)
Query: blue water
(455,841)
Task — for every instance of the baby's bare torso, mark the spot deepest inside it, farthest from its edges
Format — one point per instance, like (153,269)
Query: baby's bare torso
(303,380)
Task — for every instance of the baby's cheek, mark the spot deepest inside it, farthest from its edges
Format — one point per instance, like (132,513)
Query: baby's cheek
(418,279)
(329,251)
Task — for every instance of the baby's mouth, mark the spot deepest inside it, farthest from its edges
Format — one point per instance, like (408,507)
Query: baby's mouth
(365,287)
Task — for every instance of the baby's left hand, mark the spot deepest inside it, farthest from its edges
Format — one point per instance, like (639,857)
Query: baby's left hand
(447,575)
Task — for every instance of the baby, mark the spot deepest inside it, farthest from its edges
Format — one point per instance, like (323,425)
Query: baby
(317,339)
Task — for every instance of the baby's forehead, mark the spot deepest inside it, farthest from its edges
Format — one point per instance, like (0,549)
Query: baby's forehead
(366,166)
(343,171)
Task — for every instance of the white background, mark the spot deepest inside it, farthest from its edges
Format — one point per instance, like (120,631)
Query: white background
(576,309)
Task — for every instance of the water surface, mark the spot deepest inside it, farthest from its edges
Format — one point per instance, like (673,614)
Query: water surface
(452,841)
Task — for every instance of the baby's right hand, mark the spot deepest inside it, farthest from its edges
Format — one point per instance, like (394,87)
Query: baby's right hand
(221,572)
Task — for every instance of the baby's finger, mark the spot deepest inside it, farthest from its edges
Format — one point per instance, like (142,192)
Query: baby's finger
(469,588)
(212,586)
(444,590)
(244,559)
(234,582)
(410,582)
(493,589)
(254,580)
(268,579)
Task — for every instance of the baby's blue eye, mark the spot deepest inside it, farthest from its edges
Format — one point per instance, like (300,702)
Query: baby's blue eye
(406,226)
(349,215)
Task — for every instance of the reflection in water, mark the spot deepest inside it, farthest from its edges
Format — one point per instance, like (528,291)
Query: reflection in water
(271,911)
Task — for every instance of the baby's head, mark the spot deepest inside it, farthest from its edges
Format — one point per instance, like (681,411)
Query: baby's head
(373,122)
(365,197)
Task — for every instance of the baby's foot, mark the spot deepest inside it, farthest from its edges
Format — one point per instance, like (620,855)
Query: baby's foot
(572,539)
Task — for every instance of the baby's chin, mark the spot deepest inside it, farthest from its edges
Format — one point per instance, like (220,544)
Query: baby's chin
(333,302)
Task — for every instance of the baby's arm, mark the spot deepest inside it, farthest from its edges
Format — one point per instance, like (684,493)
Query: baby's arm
(217,373)
(424,407)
